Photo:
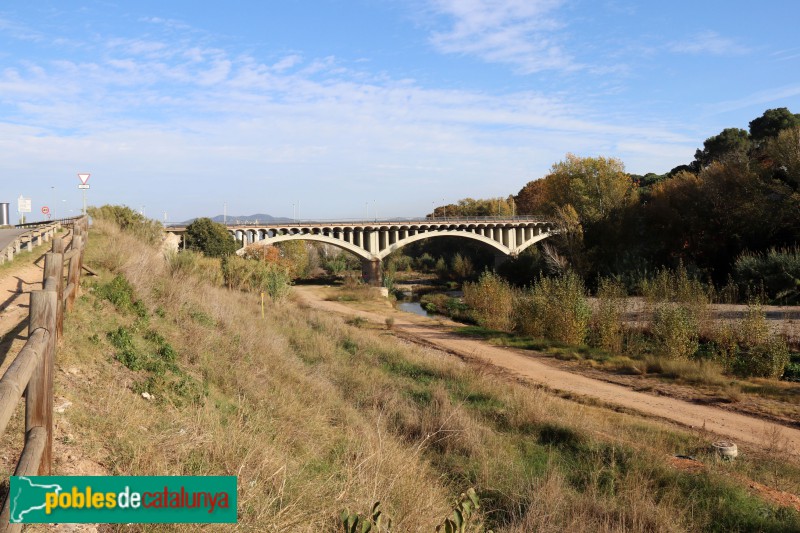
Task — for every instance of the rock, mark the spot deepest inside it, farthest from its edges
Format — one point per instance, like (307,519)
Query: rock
(147,396)
(63,407)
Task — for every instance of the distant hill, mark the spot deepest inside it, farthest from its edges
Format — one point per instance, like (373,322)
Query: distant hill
(259,217)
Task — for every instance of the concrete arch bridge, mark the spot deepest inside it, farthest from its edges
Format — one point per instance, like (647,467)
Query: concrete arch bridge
(372,241)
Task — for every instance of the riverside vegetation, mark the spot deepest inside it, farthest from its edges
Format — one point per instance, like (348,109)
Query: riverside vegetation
(315,416)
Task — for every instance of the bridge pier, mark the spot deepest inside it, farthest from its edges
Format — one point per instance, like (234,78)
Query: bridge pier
(372,272)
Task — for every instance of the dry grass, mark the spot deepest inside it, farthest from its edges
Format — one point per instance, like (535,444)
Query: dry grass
(315,415)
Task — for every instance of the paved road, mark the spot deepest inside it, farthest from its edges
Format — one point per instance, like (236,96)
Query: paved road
(7,236)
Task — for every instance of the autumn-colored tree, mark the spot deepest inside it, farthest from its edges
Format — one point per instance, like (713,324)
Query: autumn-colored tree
(594,186)
(470,207)
(530,200)
(783,152)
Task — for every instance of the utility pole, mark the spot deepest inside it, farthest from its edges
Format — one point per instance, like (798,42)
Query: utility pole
(225,213)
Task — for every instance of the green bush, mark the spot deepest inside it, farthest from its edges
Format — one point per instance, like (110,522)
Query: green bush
(674,286)
(777,271)
(555,309)
(491,300)
(274,280)
(607,319)
(759,353)
(210,238)
(675,330)
(120,293)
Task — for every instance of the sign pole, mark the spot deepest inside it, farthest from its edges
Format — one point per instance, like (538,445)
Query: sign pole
(84,177)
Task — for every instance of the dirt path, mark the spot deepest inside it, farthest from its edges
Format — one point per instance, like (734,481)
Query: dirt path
(740,428)
(15,287)
(16,283)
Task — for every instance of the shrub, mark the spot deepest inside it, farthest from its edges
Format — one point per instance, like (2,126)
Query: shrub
(210,238)
(760,353)
(273,279)
(335,265)
(778,271)
(236,272)
(556,309)
(607,325)
(674,286)
(462,267)
(675,330)
(491,300)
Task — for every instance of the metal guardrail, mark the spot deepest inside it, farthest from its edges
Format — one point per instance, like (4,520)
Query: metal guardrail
(63,221)
(38,232)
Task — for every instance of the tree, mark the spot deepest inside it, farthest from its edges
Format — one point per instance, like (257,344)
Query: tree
(594,186)
(729,142)
(209,237)
(784,153)
(772,122)
(530,200)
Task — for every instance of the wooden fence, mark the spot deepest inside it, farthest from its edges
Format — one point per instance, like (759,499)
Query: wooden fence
(31,372)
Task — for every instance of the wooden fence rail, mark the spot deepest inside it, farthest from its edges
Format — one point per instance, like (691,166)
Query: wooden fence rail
(32,370)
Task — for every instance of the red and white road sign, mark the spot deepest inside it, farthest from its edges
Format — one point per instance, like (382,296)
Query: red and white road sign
(45,210)
(84,178)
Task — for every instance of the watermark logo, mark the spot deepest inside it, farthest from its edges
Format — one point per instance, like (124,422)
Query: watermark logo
(122,499)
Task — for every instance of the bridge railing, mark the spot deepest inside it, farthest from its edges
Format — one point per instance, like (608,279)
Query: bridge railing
(31,372)
(373,221)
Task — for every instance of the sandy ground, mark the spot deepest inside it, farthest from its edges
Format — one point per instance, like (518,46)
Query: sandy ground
(742,429)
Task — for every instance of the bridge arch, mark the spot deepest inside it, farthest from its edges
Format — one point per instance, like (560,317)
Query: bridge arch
(363,254)
(442,233)
(536,238)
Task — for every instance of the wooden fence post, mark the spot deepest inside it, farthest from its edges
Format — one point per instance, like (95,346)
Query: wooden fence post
(74,272)
(54,269)
(58,245)
(59,248)
(39,396)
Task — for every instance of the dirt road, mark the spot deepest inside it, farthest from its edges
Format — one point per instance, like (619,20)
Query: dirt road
(742,429)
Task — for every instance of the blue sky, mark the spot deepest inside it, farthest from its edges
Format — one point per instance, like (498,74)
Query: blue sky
(384,106)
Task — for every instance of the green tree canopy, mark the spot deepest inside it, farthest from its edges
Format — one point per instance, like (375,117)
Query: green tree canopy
(209,237)
(729,142)
(772,122)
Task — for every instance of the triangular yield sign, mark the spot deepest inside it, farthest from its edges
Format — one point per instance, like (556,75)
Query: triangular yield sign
(84,178)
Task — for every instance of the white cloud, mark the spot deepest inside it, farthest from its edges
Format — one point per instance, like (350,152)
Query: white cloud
(709,42)
(523,33)
(192,124)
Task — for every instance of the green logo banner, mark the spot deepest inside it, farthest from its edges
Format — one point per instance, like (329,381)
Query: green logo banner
(122,499)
